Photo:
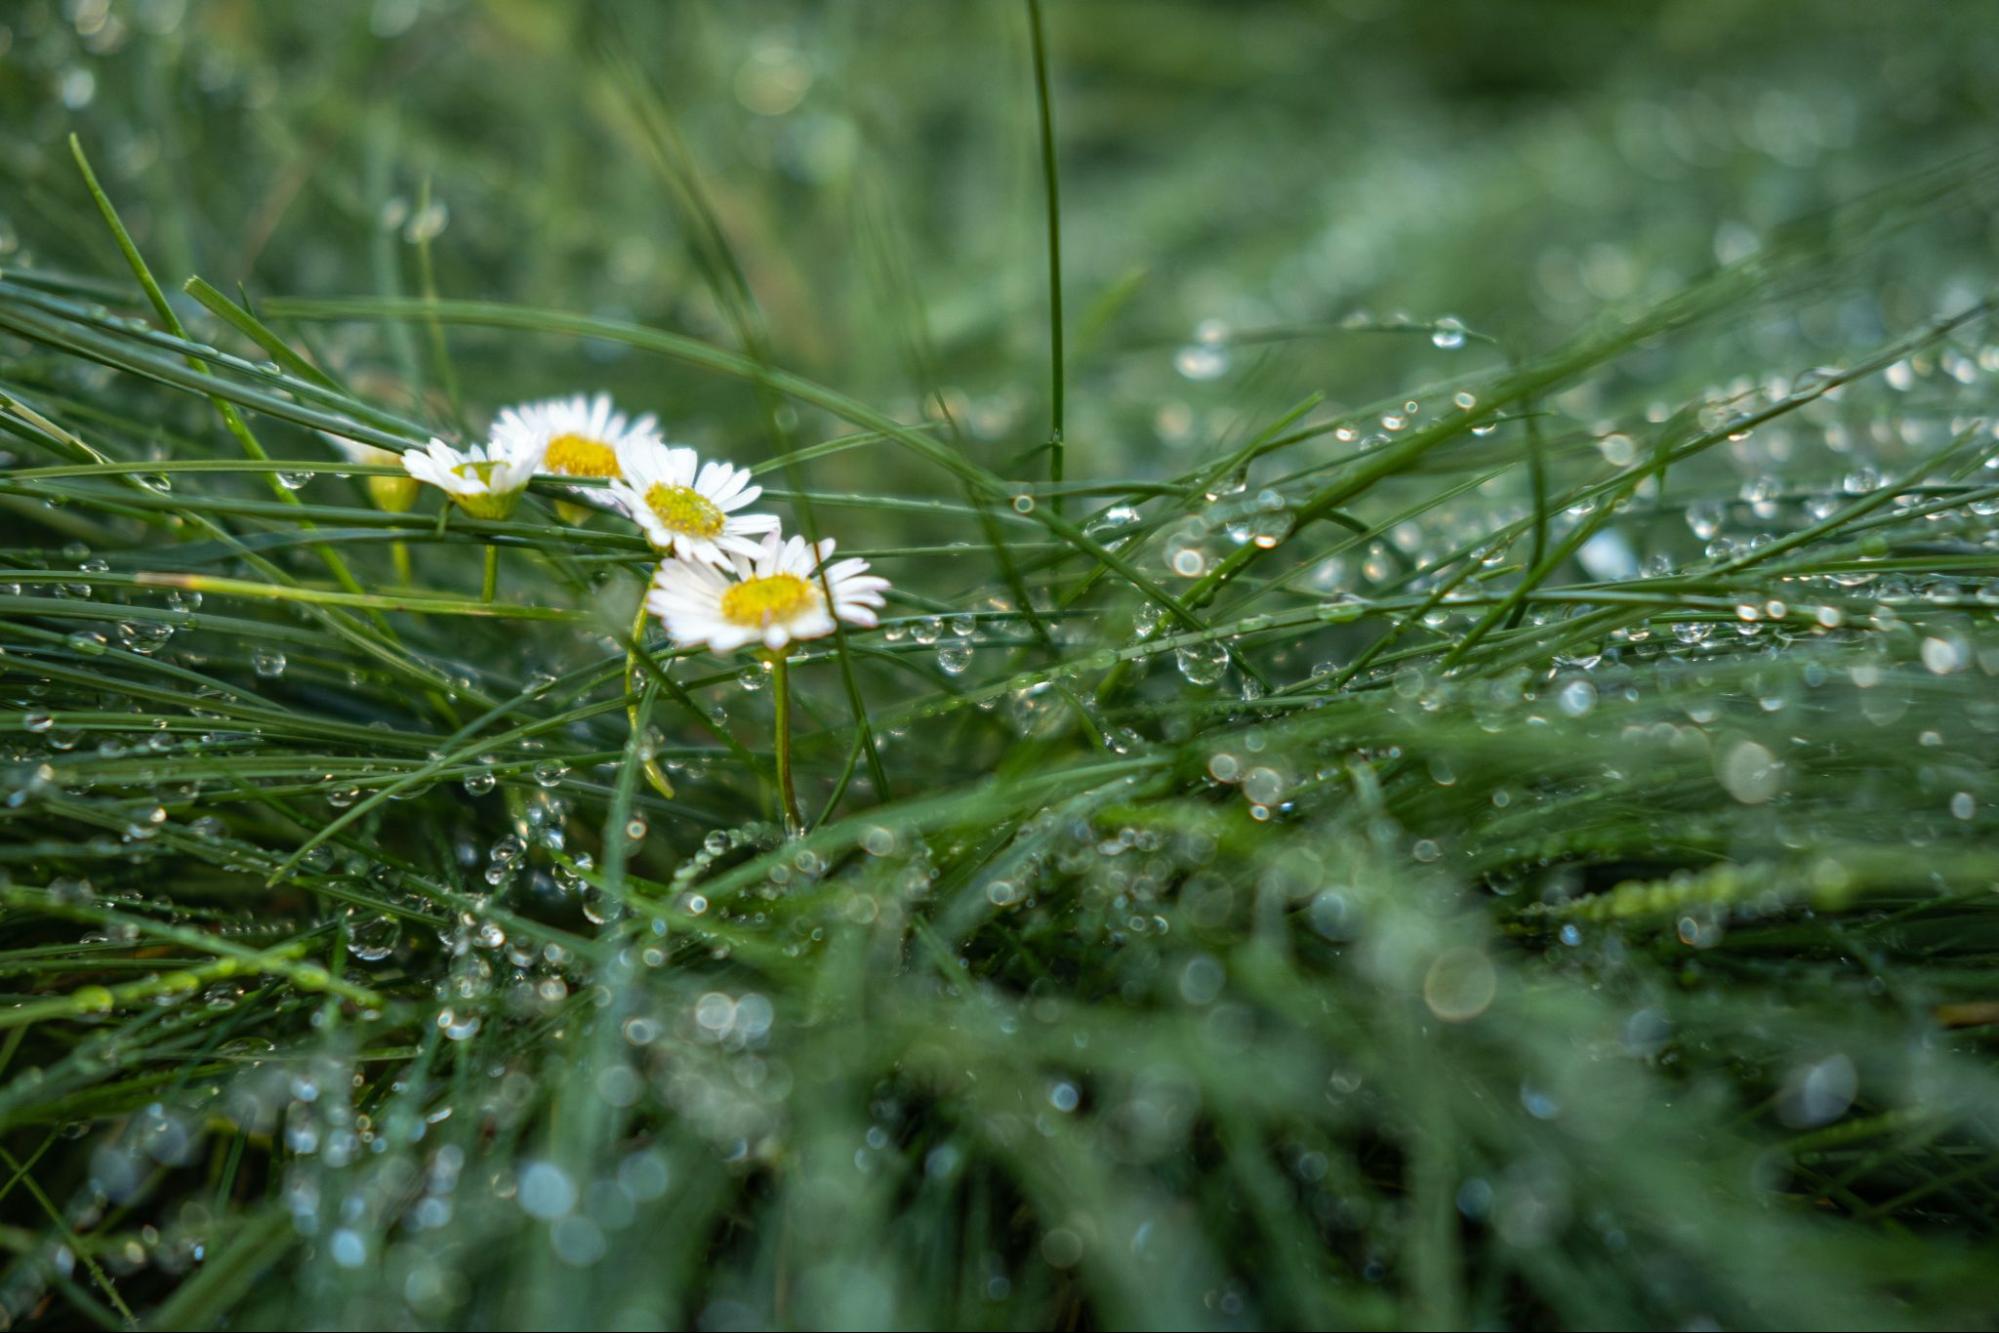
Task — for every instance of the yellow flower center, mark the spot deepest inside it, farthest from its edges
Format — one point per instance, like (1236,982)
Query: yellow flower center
(684,509)
(581,456)
(489,504)
(757,602)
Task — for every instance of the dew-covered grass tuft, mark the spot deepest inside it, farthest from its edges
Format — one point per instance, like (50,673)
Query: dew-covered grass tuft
(1428,761)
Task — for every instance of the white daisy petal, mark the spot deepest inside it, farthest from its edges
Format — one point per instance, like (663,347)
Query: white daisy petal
(423,467)
(685,507)
(486,480)
(682,467)
(579,436)
(772,593)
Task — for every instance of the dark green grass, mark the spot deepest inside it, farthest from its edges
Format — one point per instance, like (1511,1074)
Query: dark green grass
(1428,763)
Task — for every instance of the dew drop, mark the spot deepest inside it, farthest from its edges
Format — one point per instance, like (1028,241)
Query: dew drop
(1202,361)
(1577,698)
(371,935)
(1202,663)
(1112,520)
(1750,773)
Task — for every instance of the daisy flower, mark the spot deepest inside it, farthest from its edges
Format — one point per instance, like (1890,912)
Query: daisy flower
(486,480)
(687,507)
(580,437)
(772,598)
(394,494)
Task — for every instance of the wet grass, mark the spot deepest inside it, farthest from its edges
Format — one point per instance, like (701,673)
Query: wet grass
(1428,762)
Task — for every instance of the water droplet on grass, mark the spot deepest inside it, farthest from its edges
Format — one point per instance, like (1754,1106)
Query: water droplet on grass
(371,935)
(1818,1093)
(1460,985)
(1202,663)
(1577,698)
(1201,362)
(1112,520)
(427,223)
(545,1191)
(1750,773)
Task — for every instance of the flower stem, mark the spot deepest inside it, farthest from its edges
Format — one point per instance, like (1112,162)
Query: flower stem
(400,553)
(781,688)
(492,586)
(655,775)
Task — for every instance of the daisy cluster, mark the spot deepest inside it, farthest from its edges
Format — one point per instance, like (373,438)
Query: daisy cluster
(728,577)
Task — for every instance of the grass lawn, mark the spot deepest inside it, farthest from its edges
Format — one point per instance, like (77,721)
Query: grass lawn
(1425,758)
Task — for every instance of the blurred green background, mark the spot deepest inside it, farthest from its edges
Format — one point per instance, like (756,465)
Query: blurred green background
(1191,1055)
(1270,166)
